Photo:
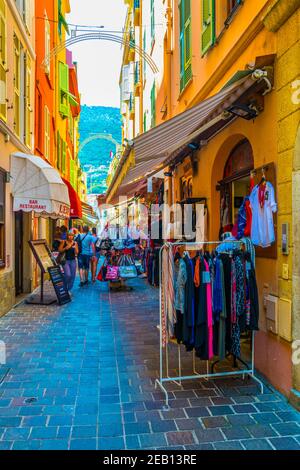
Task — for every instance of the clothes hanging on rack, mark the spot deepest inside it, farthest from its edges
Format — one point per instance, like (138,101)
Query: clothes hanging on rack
(215,300)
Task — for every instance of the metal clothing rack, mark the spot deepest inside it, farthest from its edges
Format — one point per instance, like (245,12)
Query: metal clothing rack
(164,376)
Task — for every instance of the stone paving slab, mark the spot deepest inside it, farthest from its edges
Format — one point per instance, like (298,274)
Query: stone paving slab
(82,376)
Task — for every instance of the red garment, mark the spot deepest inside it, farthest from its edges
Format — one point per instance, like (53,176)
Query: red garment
(247,231)
(234,230)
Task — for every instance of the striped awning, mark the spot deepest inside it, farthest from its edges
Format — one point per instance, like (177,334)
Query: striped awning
(155,149)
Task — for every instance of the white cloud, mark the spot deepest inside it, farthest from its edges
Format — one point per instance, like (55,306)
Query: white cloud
(99,62)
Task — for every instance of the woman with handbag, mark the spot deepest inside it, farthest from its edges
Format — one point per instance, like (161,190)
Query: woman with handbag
(68,251)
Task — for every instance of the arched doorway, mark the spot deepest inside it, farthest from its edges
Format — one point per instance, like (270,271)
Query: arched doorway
(235,184)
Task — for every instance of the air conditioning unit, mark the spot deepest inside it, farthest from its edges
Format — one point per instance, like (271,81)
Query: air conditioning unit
(271,303)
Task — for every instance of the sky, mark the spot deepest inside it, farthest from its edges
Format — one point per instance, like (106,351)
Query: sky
(99,61)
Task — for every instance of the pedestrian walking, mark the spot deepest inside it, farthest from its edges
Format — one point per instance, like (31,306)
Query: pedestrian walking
(86,250)
(97,253)
(69,249)
(63,232)
(56,240)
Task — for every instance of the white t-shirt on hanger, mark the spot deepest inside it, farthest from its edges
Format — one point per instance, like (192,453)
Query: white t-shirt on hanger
(262,231)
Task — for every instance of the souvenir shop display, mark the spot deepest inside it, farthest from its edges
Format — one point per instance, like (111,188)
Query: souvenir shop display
(208,299)
(118,265)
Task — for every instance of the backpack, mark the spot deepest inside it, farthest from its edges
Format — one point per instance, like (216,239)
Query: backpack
(79,241)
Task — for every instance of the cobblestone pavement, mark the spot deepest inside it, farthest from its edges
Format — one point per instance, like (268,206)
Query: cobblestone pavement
(82,377)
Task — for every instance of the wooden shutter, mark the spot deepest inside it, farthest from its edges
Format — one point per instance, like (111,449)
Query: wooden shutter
(47,45)
(153,114)
(152,20)
(208,24)
(3,53)
(26,13)
(64,77)
(63,163)
(64,89)
(185,43)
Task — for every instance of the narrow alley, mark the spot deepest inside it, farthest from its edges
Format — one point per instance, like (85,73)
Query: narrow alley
(83,376)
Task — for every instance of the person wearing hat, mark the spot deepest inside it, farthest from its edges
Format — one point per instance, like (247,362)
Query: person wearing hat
(69,248)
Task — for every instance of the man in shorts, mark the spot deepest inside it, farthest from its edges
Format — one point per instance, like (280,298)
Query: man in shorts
(85,255)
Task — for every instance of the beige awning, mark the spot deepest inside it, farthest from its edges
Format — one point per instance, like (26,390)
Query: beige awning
(37,187)
(155,149)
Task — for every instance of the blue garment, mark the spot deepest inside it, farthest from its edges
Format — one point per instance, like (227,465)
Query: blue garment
(242,219)
(87,244)
(217,291)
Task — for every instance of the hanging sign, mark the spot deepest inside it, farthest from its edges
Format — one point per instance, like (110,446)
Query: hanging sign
(59,285)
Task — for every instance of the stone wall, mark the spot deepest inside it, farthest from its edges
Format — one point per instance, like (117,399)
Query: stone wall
(7,291)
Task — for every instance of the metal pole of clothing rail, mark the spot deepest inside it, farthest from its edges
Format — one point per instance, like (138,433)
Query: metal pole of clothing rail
(164,372)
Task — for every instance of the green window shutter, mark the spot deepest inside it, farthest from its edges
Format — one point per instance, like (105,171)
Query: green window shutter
(208,24)
(152,20)
(153,113)
(185,43)
(64,89)
(63,77)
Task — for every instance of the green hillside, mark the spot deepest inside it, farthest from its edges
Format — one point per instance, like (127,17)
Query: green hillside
(95,155)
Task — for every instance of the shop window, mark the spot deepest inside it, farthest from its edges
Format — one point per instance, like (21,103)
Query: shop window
(235,186)
(2,218)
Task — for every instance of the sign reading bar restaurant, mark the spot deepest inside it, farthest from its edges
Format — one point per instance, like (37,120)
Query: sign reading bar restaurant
(45,207)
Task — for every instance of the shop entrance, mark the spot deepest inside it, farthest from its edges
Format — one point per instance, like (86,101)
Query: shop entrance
(19,227)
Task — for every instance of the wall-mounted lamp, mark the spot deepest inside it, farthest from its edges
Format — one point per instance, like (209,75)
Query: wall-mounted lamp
(168,174)
(7,177)
(243,111)
(193,146)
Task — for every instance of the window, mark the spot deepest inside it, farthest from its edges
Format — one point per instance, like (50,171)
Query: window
(47,45)
(3,54)
(47,133)
(2,218)
(24,10)
(153,110)
(232,5)
(27,100)
(144,60)
(185,43)
(208,25)
(152,22)
(61,19)
(17,85)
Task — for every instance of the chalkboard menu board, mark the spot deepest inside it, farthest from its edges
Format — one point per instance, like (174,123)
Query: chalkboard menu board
(59,285)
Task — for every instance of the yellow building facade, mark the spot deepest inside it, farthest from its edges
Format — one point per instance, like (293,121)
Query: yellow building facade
(17,78)
(209,45)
